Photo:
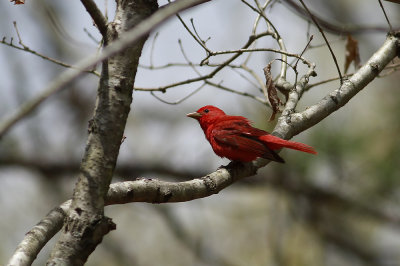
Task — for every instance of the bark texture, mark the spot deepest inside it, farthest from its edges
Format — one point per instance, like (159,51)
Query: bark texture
(85,224)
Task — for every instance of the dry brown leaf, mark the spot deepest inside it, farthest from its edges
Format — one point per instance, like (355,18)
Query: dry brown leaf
(272,92)
(18,2)
(352,54)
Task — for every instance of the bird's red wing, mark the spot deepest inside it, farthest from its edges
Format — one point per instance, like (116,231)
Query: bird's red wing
(240,144)
(244,125)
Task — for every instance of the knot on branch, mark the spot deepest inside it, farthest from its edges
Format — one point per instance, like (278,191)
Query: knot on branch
(210,184)
(396,34)
(334,99)
(375,67)
(100,228)
(92,126)
(164,194)
(252,38)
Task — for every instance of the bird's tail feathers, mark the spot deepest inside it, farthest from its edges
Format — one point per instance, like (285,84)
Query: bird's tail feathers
(276,143)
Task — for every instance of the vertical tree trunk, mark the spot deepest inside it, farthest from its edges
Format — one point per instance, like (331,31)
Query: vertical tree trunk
(86,224)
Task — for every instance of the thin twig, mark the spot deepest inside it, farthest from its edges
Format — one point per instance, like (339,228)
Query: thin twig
(199,41)
(219,86)
(55,61)
(236,53)
(244,76)
(27,49)
(168,65)
(254,30)
(19,36)
(91,36)
(106,9)
(194,69)
(216,70)
(252,39)
(393,68)
(153,44)
(384,12)
(180,100)
(260,81)
(305,48)
(262,50)
(264,17)
(276,36)
(340,39)
(96,15)
(298,59)
(197,34)
(338,29)
(190,63)
(326,40)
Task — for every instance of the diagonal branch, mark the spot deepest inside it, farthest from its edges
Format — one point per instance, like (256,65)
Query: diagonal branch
(96,15)
(338,29)
(39,235)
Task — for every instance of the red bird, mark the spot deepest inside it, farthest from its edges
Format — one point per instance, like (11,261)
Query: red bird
(233,137)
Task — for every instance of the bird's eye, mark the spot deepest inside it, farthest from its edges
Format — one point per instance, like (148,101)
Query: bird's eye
(206,111)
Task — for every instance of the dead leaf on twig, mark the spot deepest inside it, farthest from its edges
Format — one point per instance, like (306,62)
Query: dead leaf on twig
(272,92)
(18,2)
(352,54)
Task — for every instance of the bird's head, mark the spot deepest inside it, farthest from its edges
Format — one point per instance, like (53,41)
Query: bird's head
(207,115)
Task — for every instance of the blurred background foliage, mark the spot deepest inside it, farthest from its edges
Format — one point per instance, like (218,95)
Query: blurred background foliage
(340,207)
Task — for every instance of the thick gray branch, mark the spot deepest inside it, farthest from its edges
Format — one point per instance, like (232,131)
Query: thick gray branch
(85,224)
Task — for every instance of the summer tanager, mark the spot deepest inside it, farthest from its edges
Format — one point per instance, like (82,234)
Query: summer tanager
(234,138)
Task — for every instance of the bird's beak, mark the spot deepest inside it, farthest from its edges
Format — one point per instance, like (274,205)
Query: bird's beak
(194,115)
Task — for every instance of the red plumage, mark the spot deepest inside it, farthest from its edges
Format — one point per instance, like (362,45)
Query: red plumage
(234,138)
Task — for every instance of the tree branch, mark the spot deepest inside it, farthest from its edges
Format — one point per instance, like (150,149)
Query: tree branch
(45,57)
(326,40)
(220,66)
(298,122)
(338,29)
(96,15)
(39,235)
(85,224)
